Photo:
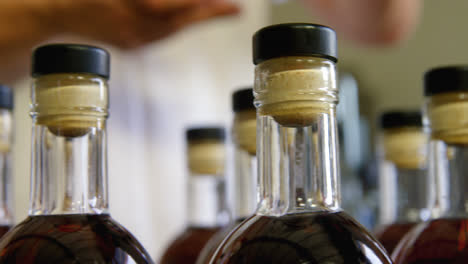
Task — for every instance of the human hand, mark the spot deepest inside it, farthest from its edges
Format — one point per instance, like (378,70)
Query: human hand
(130,23)
(369,22)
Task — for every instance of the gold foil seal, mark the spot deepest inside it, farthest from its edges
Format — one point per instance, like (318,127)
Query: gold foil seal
(406,147)
(296,96)
(206,157)
(448,115)
(245,131)
(70,105)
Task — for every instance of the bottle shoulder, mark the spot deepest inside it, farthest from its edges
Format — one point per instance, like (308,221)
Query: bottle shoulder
(71,239)
(322,237)
(389,235)
(435,241)
(210,248)
(186,247)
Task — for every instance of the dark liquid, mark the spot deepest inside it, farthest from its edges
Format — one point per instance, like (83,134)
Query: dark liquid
(186,248)
(311,238)
(70,239)
(4,230)
(390,235)
(441,241)
(210,248)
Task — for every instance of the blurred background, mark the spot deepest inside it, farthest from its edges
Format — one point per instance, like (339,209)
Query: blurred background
(188,78)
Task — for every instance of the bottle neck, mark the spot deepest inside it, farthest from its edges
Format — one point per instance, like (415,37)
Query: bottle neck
(206,201)
(403,195)
(297,147)
(447,180)
(298,166)
(69,152)
(411,196)
(69,174)
(403,173)
(245,184)
(6,201)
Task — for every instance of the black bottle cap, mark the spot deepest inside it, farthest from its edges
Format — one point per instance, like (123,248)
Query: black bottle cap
(206,133)
(396,119)
(243,100)
(6,97)
(295,39)
(446,79)
(70,58)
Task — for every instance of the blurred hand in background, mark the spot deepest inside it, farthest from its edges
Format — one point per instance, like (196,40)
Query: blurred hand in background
(134,23)
(369,22)
(122,23)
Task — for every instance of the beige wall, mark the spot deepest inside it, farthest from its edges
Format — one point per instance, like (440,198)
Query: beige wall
(392,77)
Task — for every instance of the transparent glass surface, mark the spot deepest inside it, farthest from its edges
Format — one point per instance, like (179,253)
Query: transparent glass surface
(186,248)
(69,174)
(299,219)
(73,238)
(207,201)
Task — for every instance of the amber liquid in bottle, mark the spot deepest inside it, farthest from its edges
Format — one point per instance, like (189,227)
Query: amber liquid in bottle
(441,241)
(212,244)
(71,239)
(390,235)
(187,247)
(302,238)
(4,229)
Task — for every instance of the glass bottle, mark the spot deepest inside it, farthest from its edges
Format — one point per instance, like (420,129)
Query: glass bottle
(207,210)
(443,239)
(6,130)
(244,132)
(299,219)
(403,174)
(68,218)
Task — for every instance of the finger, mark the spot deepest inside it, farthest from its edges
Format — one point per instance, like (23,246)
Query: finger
(201,13)
(151,28)
(162,6)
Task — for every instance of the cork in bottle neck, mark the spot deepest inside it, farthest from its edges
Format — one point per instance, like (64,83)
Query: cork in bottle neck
(206,157)
(447,114)
(295,90)
(70,104)
(405,147)
(244,131)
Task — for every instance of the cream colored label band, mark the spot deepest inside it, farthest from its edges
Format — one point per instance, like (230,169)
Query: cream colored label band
(245,131)
(296,97)
(449,121)
(406,148)
(70,110)
(206,157)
